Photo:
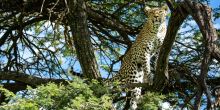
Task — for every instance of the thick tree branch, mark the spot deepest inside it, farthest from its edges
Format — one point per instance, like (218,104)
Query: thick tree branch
(175,22)
(27,79)
(14,87)
(202,15)
(110,22)
(177,17)
(22,80)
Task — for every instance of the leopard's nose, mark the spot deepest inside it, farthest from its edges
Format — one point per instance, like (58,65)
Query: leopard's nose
(157,18)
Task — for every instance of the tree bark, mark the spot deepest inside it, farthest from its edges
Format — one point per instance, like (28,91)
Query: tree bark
(32,81)
(202,15)
(161,75)
(77,20)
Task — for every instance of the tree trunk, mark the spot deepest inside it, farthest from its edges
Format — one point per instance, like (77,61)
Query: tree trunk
(77,20)
(202,15)
(161,75)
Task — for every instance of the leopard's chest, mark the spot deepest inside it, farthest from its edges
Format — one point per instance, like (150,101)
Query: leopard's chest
(146,46)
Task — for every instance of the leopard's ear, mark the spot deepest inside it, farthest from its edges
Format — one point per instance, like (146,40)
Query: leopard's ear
(165,7)
(146,9)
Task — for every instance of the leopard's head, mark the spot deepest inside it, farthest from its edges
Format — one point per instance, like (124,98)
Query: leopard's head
(157,15)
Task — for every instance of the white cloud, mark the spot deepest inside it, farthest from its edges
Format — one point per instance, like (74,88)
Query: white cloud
(217,26)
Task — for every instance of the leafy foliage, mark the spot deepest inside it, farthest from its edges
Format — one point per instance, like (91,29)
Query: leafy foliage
(151,101)
(75,95)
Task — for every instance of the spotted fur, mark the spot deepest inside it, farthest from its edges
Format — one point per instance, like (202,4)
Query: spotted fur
(136,62)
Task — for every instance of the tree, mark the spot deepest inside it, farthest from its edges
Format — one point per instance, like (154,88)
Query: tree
(41,39)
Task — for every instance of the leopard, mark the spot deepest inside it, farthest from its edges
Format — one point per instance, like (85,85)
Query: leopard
(135,66)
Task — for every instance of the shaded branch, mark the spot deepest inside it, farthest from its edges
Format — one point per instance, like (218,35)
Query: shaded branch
(174,24)
(27,79)
(202,15)
(176,19)
(13,87)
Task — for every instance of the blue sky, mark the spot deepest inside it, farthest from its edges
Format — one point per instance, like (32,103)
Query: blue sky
(214,3)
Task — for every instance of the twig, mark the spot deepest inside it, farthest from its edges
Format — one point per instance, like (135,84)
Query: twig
(42,6)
